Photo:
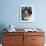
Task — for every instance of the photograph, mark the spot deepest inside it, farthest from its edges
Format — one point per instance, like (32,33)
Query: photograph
(26,13)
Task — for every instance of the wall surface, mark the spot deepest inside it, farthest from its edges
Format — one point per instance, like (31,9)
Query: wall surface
(10,12)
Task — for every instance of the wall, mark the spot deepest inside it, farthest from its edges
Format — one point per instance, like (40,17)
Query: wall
(10,13)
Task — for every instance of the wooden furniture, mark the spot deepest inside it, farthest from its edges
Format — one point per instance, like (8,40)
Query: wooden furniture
(13,39)
(34,39)
(23,38)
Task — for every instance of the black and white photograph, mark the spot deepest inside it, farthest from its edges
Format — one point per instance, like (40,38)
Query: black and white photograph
(26,13)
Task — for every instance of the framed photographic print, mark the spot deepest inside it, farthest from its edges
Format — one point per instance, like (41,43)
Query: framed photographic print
(26,13)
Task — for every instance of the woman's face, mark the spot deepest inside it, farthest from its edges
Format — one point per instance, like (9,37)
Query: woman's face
(26,12)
